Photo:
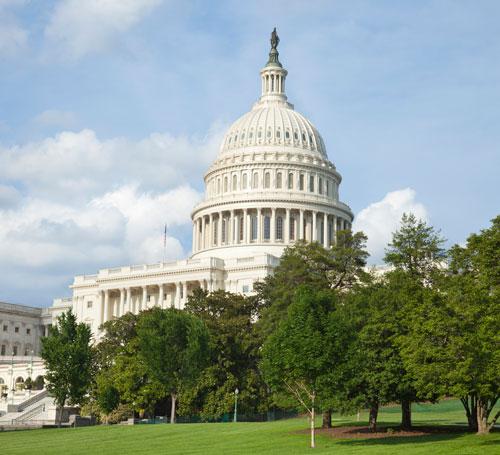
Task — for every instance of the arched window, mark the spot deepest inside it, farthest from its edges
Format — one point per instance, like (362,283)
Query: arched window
(253,233)
(225,185)
(311,183)
(245,181)
(235,182)
(290,181)
(267,227)
(279,228)
(287,134)
(279,180)
(255,180)
(292,228)
(278,134)
(320,185)
(328,187)
(301,182)
(267,180)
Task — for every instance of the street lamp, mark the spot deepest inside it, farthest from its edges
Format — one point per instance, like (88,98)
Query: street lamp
(236,391)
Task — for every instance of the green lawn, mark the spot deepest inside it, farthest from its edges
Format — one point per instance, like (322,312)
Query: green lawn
(248,438)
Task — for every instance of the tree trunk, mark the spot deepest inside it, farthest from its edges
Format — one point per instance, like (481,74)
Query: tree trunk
(327,419)
(313,442)
(405,414)
(470,410)
(372,419)
(483,412)
(59,420)
(172,409)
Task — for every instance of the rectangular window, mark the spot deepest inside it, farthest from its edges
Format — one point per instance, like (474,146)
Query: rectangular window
(28,331)
(16,329)
(241,228)
(14,350)
(253,233)
(279,228)
(215,231)
(292,228)
(5,328)
(89,304)
(267,228)
(2,352)
(245,290)
(278,180)
(224,226)
(301,182)
(311,183)
(290,181)
(26,353)
(320,186)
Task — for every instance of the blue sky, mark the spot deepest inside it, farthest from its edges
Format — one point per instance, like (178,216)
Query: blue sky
(110,111)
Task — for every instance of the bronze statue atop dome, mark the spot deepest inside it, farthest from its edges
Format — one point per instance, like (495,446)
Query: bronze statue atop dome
(275,39)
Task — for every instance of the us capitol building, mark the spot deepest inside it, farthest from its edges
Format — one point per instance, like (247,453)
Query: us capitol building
(270,185)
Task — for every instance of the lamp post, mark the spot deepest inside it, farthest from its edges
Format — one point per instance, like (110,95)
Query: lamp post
(236,391)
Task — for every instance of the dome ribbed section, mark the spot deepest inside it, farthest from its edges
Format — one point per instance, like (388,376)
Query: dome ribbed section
(273,125)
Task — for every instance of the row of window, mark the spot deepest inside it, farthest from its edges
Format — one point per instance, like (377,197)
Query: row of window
(16,329)
(277,134)
(282,180)
(28,350)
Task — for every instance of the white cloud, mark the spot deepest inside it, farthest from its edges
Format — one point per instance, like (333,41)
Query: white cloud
(71,204)
(54,117)
(77,27)
(380,219)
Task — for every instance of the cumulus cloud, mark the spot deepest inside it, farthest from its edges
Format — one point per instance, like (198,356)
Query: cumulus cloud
(380,219)
(73,203)
(77,28)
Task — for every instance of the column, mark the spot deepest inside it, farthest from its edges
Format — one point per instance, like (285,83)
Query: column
(334,226)
(273,225)
(203,240)
(144,302)
(245,226)
(301,225)
(230,233)
(193,246)
(314,226)
(177,300)
(184,294)
(106,305)
(219,230)
(325,230)
(259,225)
(121,311)
(129,299)
(161,298)
(287,227)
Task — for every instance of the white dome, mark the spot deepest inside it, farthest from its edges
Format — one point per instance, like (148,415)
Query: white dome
(273,125)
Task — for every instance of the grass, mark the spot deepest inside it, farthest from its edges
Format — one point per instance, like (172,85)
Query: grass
(252,438)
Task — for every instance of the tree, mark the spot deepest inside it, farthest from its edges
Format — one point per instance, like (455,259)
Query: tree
(339,268)
(296,358)
(416,252)
(108,397)
(67,354)
(453,345)
(174,346)
(416,248)
(234,355)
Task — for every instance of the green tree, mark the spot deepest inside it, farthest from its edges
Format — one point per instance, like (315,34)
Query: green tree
(417,254)
(234,355)
(174,346)
(416,248)
(339,268)
(108,397)
(454,345)
(297,357)
(68,358)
